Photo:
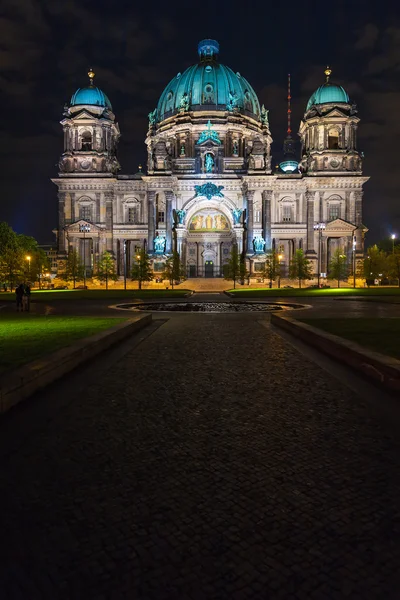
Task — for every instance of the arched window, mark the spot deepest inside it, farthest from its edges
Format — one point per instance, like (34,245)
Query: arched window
(334,212)
(86,141)
(333,139)
(85,212)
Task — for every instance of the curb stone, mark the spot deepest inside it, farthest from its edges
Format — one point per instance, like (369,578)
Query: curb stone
(381,369)
(20,383)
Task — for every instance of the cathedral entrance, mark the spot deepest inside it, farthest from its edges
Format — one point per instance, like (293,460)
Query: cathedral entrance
(209,268)
(208,242)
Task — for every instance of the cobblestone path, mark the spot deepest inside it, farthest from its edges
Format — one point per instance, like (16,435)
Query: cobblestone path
(213,461)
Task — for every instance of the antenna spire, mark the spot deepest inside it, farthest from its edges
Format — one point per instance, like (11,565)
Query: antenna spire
(289,109)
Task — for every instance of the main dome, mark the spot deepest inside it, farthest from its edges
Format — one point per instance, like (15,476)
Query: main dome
(207,86)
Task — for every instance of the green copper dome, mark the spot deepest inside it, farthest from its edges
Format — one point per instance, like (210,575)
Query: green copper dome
(328,93)
(90,95)
(208,86)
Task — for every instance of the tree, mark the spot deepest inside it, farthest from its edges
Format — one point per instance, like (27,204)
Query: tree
(141,268)
(272,267)
(74,269)
(39,265)
(394,264)
(11,261)
(233,268)
(338,266)
(173,270)
(376,264)
(300,267)
(106,268)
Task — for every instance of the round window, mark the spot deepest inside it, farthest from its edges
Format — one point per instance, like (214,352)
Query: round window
(208,69)
(169,97)
(208,89)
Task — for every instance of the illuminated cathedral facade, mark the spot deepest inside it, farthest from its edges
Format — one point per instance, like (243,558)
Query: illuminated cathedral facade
(209,183)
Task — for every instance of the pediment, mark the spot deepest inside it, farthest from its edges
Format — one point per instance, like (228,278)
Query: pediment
(335,113)
(84,114)
(339,225)
(75,227)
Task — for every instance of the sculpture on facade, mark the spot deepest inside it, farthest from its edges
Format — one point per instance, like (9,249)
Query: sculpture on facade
(235,148)
(237,214)
(180,215)
(209,134)
(209,190)
(159,244)
(232,102)
(259,244)
(209,163)
(264,116)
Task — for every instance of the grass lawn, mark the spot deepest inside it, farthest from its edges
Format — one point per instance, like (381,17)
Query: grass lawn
(333,292)
(380,334)
(25,336)
(50,295)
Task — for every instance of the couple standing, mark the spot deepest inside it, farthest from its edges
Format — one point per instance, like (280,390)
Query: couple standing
(23,296)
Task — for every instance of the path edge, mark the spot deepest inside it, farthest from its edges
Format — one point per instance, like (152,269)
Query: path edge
(381,369)
(20,383)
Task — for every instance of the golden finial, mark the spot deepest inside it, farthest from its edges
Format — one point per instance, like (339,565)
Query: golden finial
(327,72)
(91,75)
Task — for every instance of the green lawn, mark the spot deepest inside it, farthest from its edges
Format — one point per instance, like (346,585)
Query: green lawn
(332,292)
(25,336)
(381,335)
(51,295)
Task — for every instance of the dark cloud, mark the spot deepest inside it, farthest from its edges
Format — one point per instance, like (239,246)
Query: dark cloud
(47,47)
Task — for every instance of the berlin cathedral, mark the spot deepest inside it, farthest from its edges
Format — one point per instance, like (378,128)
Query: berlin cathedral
(209,182)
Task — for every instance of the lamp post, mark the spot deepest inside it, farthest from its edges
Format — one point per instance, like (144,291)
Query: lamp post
(393,238)
(124,264)
(28,258)
(140,270)
(280,256)
(85,228)
(320,228)
(354,260)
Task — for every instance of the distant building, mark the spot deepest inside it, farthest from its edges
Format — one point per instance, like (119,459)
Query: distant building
(52,255)
(209,182)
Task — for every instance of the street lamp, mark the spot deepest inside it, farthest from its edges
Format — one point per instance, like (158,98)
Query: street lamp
(320,228)
(28,258)
(393,238)
(124,264)
(280,256)
(354,260)
(85,228)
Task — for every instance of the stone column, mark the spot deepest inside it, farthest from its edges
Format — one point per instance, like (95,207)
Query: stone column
(151,196)
(168,221)
(250,222)
(358,220)
(61,223)
(266,218)
(310,222)
(109,197)
(96,217)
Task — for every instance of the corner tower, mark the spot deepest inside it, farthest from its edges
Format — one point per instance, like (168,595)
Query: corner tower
(328,132)
(90,134)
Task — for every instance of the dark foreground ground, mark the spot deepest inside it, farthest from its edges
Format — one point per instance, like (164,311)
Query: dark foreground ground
(206,459)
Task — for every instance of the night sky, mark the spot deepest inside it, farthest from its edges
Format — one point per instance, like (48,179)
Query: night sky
(137,48)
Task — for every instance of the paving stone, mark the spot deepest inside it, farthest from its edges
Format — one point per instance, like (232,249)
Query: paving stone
(212,461)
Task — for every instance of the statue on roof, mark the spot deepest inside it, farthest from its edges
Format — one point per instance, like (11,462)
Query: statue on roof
(232,102)
(152,117)
(264,116)
(184,104)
